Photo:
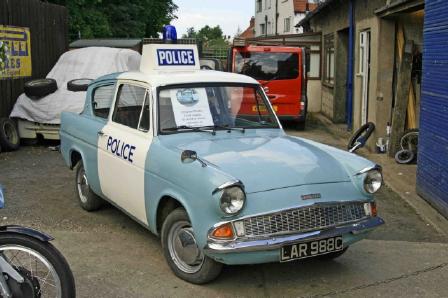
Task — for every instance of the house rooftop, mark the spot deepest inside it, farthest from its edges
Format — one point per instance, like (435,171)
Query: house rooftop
(302,6)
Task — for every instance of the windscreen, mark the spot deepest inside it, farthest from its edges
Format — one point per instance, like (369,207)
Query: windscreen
(217,107)
(265,66)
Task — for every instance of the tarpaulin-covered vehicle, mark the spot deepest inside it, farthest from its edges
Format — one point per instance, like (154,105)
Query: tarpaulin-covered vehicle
(171,147)
(42,116)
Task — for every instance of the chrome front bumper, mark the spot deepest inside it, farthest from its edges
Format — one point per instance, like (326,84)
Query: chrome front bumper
(249,245)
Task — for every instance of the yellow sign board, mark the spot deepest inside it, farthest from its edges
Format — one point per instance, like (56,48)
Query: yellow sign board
(18,61)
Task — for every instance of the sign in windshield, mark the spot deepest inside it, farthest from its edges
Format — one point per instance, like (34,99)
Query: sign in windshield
(265,66)
(214,106)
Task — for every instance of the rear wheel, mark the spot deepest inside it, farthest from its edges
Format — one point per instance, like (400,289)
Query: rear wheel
(88,200)
(182,252)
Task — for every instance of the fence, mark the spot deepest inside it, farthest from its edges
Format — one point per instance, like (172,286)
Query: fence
(49,39)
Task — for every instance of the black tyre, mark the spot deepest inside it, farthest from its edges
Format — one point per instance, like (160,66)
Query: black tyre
(360,137)
(9,136)
(182,253)
(300,125)
(404,156)
(332,255)
(39,88)
(78,84)
(37,261)
(88,200)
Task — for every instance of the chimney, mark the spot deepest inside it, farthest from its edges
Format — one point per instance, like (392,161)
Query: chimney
(252,22)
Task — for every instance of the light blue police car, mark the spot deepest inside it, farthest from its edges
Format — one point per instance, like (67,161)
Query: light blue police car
(218,180)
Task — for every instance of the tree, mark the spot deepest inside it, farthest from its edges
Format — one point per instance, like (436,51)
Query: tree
(209,36)
(117,18)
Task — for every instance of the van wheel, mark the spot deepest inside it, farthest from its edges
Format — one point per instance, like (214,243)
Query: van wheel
(88,200)
(182,252)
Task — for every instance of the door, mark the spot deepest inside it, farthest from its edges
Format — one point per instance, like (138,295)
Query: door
(123,148)
(364,73)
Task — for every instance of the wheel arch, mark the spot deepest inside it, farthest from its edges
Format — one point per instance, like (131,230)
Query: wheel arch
(27,232)
(165,206)
(75,157)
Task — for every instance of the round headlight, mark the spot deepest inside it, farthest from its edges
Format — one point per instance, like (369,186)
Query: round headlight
(232,200)
(373,181)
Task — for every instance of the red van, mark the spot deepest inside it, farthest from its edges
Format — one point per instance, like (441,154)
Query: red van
(281,70)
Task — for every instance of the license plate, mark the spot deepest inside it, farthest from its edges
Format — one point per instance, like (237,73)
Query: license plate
(311,249)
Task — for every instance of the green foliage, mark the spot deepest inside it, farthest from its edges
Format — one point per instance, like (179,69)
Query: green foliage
(209,36)
(117,18)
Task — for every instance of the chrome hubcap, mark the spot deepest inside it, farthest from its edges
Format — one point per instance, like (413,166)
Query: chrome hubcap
(183,248)
(83,185)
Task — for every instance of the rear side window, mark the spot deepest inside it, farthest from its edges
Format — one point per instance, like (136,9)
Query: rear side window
(129,106)
(267,65)
(102,100)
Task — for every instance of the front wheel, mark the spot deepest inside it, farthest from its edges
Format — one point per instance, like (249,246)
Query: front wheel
(182,252)
(44,269)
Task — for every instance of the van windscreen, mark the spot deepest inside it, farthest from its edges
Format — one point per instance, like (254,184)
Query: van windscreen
(265,66)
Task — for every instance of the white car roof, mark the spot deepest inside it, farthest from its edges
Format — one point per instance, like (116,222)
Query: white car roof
(163,78)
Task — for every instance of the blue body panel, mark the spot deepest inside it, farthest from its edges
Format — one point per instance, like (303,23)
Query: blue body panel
(276,171)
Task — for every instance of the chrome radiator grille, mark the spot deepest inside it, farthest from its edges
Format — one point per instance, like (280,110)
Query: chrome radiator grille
(303,219)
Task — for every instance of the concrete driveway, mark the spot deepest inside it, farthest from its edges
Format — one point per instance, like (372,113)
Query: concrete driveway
(111,256)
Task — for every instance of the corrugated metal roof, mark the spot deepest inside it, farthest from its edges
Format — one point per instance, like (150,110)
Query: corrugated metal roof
(112,43)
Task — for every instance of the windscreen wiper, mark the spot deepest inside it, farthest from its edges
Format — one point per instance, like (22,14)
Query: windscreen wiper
(195,129)
(229,129)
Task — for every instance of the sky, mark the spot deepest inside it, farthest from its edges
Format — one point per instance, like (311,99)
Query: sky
(228,14)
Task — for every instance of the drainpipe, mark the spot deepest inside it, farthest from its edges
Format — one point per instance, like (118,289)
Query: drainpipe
(266,25)
(276,17)
(351,44)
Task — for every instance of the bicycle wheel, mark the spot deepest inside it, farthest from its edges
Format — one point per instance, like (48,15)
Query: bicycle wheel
(409,140)
(45,271)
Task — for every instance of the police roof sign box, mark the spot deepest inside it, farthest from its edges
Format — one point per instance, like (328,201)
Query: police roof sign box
(169,57)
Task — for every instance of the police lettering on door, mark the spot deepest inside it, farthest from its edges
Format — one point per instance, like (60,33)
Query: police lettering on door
(121,149)
(175,57)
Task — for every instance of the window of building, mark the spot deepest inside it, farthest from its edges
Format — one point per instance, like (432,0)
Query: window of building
(259,6)
(267,4)
(132,107)
(313,66)
(263,29)
(329,59)
(102,100)
(287,25)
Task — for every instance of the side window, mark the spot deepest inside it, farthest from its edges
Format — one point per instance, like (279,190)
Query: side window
(129,105)
(102,100)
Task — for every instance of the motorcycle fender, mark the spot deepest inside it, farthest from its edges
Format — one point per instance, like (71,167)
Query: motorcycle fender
(27,232)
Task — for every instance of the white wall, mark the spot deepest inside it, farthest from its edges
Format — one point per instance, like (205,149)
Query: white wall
(260,17)
(285,10)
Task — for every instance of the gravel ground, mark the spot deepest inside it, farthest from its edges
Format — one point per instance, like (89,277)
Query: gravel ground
(112,256)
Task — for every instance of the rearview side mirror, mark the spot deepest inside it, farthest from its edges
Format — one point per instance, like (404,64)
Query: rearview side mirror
(189,156)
